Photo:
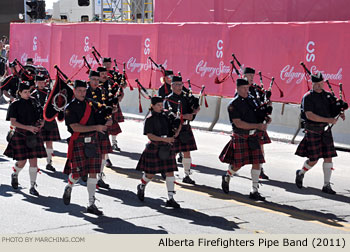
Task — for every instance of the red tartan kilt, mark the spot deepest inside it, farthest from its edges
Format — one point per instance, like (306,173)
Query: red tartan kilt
(81,165)
(105,144)
(237,152)
(118,116)
(313,147)
(184,147)
(18,150)
(51,135)
(114,129)
(264,137)
(151,163)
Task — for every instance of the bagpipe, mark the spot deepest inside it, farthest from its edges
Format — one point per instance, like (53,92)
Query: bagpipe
(337,105)
(193,101)
(27,72)
(114,75)
(174,117)
(260,97)
(60,95)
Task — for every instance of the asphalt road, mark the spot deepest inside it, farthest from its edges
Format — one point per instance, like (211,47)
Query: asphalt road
(205,209)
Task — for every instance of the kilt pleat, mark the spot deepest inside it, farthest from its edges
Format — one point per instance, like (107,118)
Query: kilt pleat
(105,144)
(263,137)
(81,165)
(150,162)
(51,135)
(237,152)
(17,149)
(314,148)
(184,147)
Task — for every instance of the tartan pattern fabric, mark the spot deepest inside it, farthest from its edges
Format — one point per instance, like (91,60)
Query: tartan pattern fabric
(237,152)
(51,135)
(105,144)
(184,147)
(313,147)
(81,165)
(118,116)
(263,137)
(150,162)
(17,149)
(114,129)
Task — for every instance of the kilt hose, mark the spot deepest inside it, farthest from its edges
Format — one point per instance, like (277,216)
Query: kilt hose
(189,145)
(237,152)
(150,162)
(18,150)
(263,137)
(105,144)
(314,148)
(80,164)
(52,134)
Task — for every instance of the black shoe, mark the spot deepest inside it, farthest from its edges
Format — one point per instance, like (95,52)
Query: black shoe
(328,189)
(115,147)
(299,179)
(102,184)
(188,180)
(33,191)
(141,192)
(14,180)
(109,163)
(50,167)
(66,195)
(94,210)
(84,178)
(263,175)
(224,184)
(172,203)
(163,175)
(256,196)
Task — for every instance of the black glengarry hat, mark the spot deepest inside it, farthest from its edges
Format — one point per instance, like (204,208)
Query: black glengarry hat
(105,60)
(94,73)
(80,83)
(23,85)
(101,69)
(156,99)
(249,70)
(168,72)
(317,77)
(175,78)
(242,82)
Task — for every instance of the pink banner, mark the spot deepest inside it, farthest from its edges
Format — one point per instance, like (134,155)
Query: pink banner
(200,51)
(251,10)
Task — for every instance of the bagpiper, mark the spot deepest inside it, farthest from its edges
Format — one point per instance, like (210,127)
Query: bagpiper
(26,142)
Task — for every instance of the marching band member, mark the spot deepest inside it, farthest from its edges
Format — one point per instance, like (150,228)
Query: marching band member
(258,95)
(165,89)
(159,155)
(84,155)
(26,142)
(318,141)
(244,147)
(95,93)
(185,142)
(50,130)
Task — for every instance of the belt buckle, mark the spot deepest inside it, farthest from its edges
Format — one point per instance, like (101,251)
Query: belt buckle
(87,140)
(251,132)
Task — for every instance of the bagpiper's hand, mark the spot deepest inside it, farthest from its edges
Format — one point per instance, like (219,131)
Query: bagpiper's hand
(268,120)
(195,111)
(169,140)
(109,122)
(115,109)
(33,129)
(262,126)
(42,122)
(342,116)
(333,120)
(101,128)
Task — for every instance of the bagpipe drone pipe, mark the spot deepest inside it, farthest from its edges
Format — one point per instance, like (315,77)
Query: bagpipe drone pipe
(338,105)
